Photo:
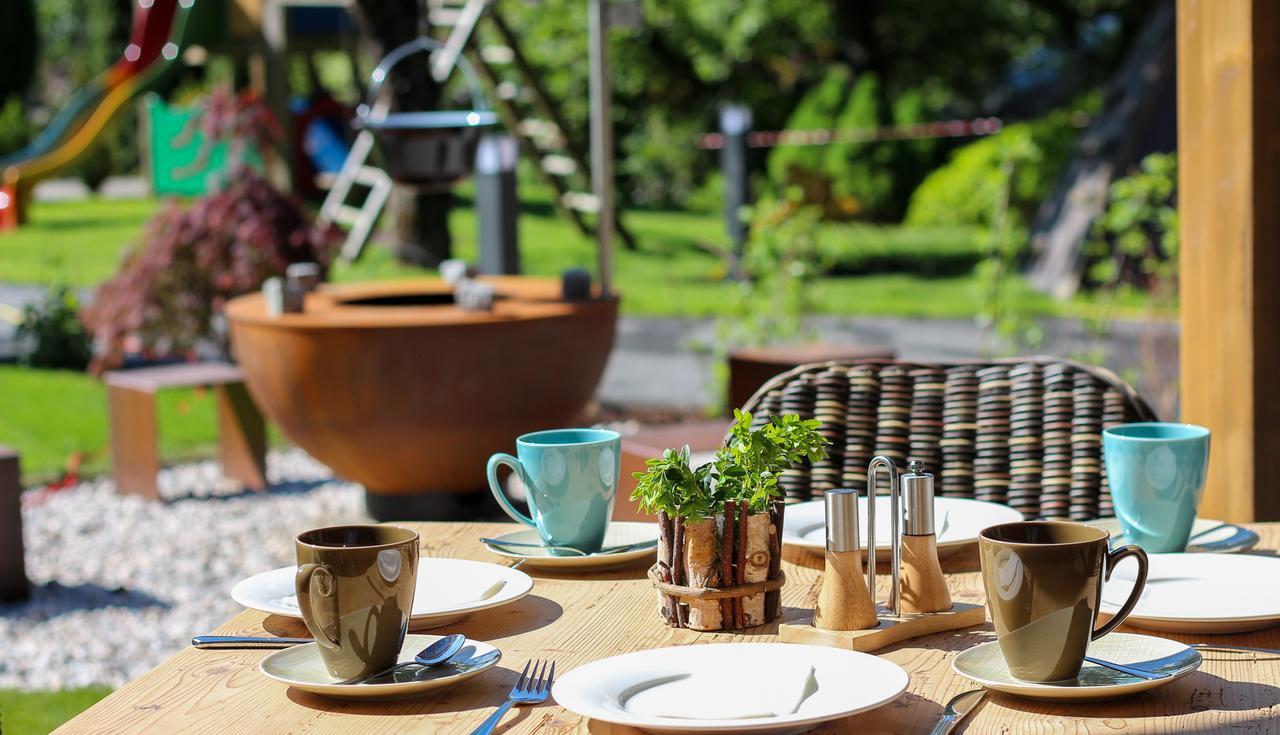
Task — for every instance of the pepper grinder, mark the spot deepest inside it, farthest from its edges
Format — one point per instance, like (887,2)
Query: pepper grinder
(924,589)
(844,603)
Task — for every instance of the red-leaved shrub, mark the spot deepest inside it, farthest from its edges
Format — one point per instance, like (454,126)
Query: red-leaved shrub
(193,260)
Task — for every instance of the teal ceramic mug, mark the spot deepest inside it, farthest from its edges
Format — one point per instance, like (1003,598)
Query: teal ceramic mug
(570,478)
(1156,472)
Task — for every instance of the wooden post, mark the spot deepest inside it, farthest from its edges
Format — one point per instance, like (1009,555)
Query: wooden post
(135,454)
(242,437)
(13,570)
(1229,182)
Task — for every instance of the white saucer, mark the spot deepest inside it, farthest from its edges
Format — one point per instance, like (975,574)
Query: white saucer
(958,522)
(301,667)
(985,665)
(730,687)
(447,590)
(1207,536)
(619,533)
(1199,593)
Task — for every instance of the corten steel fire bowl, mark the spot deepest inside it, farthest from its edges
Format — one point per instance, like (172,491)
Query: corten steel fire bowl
(394,386)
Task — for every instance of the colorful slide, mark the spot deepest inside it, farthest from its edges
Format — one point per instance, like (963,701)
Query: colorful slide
(159,27)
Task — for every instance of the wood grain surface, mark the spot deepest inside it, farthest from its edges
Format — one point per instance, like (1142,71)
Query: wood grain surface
(577,618)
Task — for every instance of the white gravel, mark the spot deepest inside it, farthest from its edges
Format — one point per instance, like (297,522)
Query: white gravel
(121,583)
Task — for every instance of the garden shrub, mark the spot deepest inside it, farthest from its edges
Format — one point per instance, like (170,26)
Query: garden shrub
(1135,242)
(866,179)
(965,190)
(51,334)
(193,260)
(819,109)
(14,130)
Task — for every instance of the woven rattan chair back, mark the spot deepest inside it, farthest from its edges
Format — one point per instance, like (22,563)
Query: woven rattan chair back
(1026,432)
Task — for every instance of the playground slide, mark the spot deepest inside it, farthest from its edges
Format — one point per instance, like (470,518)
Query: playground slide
(158,30)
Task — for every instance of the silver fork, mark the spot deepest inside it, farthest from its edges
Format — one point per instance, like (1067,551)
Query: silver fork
(530,689)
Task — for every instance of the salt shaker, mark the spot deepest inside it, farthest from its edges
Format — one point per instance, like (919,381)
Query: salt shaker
(844,602)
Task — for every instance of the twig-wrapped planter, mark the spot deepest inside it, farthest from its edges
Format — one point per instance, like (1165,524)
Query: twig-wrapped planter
(721,573)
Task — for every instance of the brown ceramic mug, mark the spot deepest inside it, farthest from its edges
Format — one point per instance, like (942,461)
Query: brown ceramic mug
(1044,585)
(355,590)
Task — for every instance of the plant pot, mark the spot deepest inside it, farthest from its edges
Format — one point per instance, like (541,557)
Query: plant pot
(721,573)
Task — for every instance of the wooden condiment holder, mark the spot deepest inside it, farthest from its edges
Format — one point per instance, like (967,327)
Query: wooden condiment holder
(920,603)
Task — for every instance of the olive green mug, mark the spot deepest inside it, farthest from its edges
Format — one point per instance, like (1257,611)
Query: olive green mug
(1044,585)
(355,589)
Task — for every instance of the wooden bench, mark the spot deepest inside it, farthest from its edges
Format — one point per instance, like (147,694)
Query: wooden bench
(131,397)
(13,570)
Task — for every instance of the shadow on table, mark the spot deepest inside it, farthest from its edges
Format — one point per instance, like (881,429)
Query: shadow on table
(477,697)
(1197,692)
(53,599)
(633,570)
(528,613)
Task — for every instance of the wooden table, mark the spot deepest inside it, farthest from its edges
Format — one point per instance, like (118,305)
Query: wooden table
(576,619)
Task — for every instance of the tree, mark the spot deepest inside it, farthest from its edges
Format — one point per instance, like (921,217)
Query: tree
(420,218)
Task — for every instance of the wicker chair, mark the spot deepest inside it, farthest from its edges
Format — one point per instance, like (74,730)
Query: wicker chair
(1026,432)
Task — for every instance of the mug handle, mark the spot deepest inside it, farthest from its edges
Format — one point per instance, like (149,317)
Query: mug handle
(302,584)
(496,461)
(1113,558)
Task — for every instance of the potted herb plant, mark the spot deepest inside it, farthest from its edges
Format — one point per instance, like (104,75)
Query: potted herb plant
(720,553)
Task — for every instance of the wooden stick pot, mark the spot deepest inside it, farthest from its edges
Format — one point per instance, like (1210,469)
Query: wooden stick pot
(721,573)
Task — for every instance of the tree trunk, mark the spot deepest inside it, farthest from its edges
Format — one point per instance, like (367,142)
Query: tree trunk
(420,220)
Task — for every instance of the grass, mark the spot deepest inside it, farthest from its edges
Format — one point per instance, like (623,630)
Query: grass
(52,415)
(876,269)
(73,243)
(36,713)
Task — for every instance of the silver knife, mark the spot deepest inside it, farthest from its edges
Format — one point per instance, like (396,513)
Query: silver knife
(244,641)
(959,706)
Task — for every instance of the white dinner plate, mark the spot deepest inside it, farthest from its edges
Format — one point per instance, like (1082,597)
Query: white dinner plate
(301,667)
(447,590)
(958,522)
(619,533)
(730,687)
(1207,536)
(985,665)
(1199,593)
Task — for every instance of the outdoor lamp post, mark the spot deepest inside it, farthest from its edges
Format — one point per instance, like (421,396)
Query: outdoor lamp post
(601,138)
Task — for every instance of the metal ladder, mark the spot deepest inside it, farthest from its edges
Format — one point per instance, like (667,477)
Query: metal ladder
(541,131)
(356,169)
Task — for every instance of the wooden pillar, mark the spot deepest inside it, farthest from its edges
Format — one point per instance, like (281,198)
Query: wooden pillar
(1229,200)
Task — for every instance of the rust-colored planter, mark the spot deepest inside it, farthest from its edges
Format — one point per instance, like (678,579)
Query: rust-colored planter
(395,387)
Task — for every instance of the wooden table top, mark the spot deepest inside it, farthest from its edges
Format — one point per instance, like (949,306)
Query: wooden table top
(579,618)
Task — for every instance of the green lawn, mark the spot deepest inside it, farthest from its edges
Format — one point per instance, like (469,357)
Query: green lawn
(37,713)
(877,270)
(49,415)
